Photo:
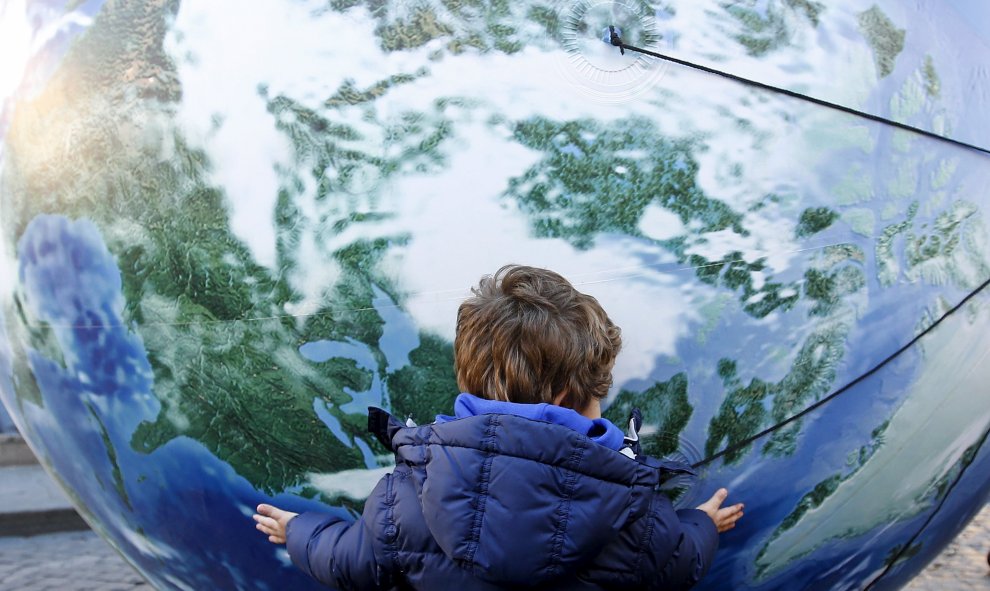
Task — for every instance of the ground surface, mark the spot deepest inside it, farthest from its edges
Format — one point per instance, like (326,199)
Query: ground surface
(72,561)
(963,565)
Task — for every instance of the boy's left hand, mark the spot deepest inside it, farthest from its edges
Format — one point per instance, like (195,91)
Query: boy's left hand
(273,521)
(725,518)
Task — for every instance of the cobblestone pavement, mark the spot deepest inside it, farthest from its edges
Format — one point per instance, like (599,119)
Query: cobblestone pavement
(74,561)
(81,561)
(962,566)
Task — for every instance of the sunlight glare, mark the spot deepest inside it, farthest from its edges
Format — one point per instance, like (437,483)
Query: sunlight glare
(15,43)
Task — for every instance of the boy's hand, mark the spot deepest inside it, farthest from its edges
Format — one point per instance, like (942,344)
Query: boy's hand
(725,519)
(273,521)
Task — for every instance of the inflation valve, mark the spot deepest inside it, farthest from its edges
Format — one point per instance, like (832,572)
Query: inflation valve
(614,37)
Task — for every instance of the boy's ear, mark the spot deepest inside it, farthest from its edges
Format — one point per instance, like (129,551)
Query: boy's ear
(560,398)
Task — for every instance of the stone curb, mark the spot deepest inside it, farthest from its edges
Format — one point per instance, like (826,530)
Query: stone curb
(33,523)
(15,452)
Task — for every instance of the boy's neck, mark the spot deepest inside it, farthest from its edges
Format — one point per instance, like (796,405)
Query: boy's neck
(592,411)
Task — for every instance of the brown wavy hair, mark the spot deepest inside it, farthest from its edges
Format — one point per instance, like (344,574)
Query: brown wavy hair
(526,335)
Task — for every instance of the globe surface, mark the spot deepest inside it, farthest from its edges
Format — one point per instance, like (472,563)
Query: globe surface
(227,229)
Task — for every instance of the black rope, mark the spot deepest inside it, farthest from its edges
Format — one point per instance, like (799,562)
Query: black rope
(823,401)
(617,41)
(907,546)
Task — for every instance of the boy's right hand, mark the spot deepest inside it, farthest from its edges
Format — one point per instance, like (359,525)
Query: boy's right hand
(724,518)
(273,522)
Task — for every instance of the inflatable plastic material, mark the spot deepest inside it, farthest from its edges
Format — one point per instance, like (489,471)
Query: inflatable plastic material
(227,228)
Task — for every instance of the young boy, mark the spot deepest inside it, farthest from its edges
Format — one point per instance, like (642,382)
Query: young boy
(526,485)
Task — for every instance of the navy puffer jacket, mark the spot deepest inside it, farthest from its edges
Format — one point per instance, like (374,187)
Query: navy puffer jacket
(502,501)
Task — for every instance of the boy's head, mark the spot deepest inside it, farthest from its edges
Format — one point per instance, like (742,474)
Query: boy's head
(526,335)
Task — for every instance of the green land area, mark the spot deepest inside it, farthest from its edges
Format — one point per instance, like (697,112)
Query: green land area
(220,339)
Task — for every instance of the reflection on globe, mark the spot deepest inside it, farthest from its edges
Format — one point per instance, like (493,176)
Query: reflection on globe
(227,231)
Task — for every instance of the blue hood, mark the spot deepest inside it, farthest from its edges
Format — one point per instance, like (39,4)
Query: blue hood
(601,431)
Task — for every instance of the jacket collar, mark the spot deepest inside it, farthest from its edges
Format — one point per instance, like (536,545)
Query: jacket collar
(599,430)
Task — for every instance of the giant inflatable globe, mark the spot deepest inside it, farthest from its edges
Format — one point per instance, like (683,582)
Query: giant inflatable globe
(230,227)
